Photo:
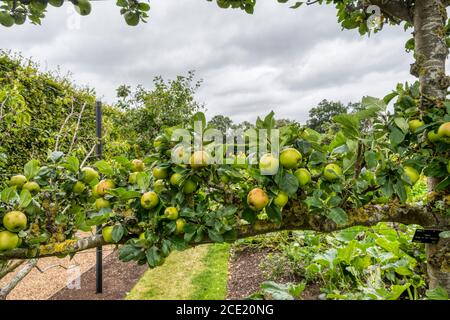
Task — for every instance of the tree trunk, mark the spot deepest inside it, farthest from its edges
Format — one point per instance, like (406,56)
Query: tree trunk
(431,52)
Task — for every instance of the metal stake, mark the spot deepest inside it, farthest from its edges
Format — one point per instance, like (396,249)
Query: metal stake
(99,251)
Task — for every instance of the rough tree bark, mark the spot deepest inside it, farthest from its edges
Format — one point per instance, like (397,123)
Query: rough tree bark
(430,17)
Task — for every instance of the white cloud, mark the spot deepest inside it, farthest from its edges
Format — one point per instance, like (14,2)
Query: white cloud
(281,59)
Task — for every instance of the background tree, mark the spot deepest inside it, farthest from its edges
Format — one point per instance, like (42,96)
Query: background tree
(145,112)
(222,123)
(321,116)
(34,106)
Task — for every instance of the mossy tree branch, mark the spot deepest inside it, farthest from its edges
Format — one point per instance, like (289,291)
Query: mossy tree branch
(295,217)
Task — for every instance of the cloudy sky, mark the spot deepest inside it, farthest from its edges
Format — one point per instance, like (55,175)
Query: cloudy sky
(278,59)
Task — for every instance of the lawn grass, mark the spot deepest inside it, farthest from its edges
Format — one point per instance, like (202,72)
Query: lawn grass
(211,282)
(197,273)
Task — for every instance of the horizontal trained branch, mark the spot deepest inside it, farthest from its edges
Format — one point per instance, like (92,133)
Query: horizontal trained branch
(295,217)
(17,278)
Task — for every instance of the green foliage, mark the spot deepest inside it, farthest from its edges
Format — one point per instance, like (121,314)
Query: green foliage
(142,114)
(351,14)
(321,117)
(356,263)
(222,123)
(36,108)
(33,108)
(368,154)
(275,291)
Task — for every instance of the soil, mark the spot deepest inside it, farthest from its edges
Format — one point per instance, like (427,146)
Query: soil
(245,275)
(118,279)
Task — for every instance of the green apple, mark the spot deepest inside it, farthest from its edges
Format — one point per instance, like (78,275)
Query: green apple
(199,159)
(8,240)
(149,200)
(94,191)
(303,176)
(131,18)
(415,124)
(132,178)
(180,155)
(107,234)
(159,143)
(444,130)
(78,187)
(332,172)
(32,186)
(241,161)
(171,213)
(142,236)
(104,186)
(83,7)
(176,179)
(15,221)
(224,178)
(180,223)
(290,158)
(137,165)
(411,173)
(17,180)
(89,174)
(281,199)
(160,173)
(448,167)
(6,19)
(159,186)
(189,187)
(56,3)
(447,199)
(257,199)
(433,136)
(269,164)
(101,203)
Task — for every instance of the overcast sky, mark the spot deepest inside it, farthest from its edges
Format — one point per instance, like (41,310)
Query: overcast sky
(278,59)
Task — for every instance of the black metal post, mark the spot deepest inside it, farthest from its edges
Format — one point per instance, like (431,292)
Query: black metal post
(99,152)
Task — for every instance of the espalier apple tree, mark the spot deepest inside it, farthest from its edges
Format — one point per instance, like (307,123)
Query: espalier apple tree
(324,183)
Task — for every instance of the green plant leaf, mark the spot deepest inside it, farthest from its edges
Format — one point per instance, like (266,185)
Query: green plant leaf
(438,293)
(130,252)
(153,257)
(25,198)
(338,215)
(118,232)
(444,234)
(124,194)
(201,118)
(9,195)
(276,291)
(402,124)
(215,236)
(274,213)
(396,136)
(105,168)
(143,180)
(400,191)
(290,184)
(31,168)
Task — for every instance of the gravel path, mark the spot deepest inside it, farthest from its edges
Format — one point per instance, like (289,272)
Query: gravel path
(118,279)
(57,272)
